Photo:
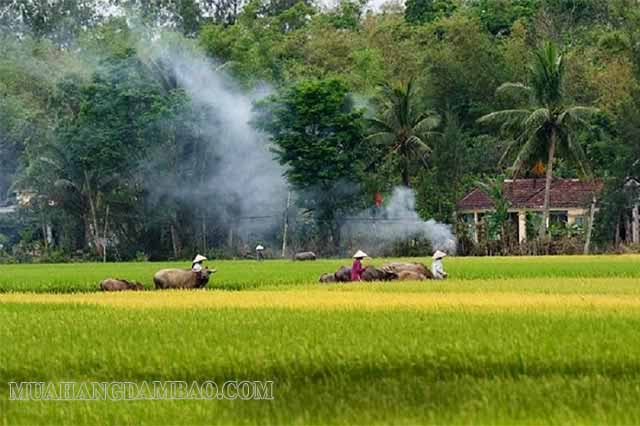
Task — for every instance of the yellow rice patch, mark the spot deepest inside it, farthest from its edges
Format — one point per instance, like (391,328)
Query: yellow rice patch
(330,300)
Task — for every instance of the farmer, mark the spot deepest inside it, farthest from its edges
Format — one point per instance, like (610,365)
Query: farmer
(196,265)
(259,254)
(356,267)
(437,270)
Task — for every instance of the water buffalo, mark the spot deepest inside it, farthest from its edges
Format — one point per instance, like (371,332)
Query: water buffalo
(328,278)
(181,278)
(410,276)
(397,267)
(305,255)
(118,284)
(388,272)
(343,274)
(371,273)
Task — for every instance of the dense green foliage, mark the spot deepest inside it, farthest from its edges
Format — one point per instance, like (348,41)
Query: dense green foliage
(95,124)
(316,132)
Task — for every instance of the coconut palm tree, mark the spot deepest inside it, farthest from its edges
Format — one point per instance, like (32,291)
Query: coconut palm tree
(403,129)
(547,125)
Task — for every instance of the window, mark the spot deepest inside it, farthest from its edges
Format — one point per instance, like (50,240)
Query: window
(558,218)
(468,218)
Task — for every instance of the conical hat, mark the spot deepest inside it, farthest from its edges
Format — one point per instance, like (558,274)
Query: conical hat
(438,255)
(199,258)
(360,254)
(259,247)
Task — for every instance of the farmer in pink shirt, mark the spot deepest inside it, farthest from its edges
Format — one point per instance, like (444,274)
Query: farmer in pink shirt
(356,267)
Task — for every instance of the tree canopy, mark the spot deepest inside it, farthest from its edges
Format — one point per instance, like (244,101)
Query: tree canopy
(120,141)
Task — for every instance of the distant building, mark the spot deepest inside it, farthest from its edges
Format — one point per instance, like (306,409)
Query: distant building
(569,202)
(25,197)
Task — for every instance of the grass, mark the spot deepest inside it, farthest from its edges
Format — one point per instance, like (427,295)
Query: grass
(237,275)
(506,341)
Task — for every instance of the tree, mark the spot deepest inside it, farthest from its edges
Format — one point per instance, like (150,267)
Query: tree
(100,142)
(316,134)
(59,21)
(547,125)
(462,68)
(498,16)
(403,128)
(439,187)
(422,11)
(498,220)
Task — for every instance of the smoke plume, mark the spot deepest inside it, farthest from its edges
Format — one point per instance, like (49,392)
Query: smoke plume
(398,220)
(246,182)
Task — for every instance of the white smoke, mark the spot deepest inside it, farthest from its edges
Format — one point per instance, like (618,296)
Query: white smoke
(398,220)
(246,176)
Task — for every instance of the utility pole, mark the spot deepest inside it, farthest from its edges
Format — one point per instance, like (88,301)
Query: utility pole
(104,244)
(285,226)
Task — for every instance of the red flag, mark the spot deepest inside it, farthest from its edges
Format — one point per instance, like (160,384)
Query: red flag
(378,199)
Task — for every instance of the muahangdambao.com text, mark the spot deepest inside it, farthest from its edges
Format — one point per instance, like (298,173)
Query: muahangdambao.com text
(147,390)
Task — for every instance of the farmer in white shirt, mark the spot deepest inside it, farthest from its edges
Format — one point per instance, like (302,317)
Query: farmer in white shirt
(259,252)
(196,265)
(437,270)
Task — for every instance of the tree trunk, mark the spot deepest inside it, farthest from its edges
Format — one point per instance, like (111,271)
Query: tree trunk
(204,233)
(230,237)
(635,224)
(592,212)
(174,241)
(93,225)
(104,239)
(285,226)
(45,232)
(547,184)
(406,180)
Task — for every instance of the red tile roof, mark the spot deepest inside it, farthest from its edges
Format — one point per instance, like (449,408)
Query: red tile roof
(529,193)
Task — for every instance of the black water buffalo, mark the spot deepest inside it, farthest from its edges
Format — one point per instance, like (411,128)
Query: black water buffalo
(118,284)
(343,274)
(327,278)
(305,255)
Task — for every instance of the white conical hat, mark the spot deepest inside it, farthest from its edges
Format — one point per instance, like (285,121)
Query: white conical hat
(259,247)
(360,254)
(439,254)
(199,258)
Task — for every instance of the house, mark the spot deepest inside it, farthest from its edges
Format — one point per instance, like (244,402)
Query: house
(569,202)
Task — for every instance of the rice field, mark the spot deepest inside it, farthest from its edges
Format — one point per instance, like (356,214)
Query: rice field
(543,340)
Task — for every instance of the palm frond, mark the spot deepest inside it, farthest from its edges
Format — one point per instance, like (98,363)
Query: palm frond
(385,138)
(547,74)
(66,184)
(426,124)
(514,89)
(51,162)
(416,144)
(379,125)
(528,148)
(507,118)
(575,116)
(536,119)
(579,155)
